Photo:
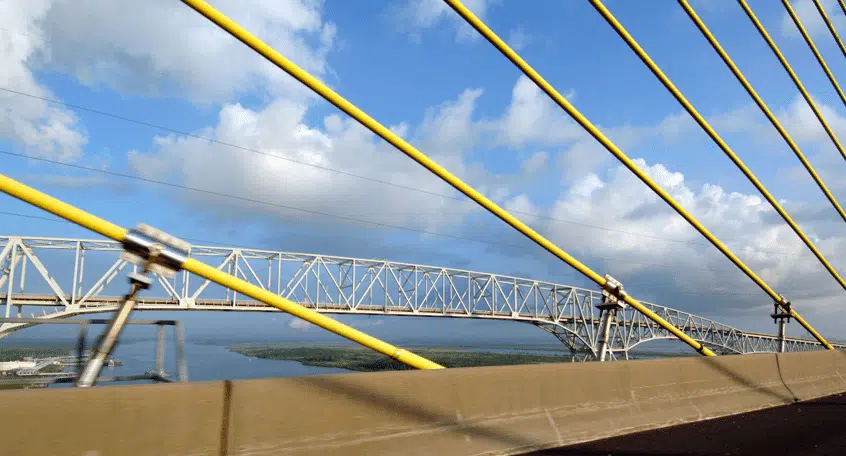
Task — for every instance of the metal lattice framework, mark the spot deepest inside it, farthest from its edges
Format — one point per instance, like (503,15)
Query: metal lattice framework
(339,285)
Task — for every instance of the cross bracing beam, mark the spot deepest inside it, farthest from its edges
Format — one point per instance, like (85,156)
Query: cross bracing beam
(355,286)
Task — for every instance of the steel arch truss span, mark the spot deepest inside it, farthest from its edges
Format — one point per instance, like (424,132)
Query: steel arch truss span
(75,276)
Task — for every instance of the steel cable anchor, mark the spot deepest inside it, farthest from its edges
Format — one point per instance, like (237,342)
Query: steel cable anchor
(155,252)
(613,300)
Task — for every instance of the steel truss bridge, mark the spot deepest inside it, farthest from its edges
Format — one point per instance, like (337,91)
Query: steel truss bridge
(338,285)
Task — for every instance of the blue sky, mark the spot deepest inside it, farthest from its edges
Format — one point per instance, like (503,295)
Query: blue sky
(415,67)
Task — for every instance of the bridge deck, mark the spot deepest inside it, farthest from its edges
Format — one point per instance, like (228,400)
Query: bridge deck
(805,428)
(164,303)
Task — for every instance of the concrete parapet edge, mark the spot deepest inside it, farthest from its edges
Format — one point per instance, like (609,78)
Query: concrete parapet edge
(471,411)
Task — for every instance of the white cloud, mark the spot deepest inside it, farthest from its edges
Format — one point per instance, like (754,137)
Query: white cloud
(803,125)
(534,163)
(43,130)
(743,221)
(164,47)
(367,323)
(811,19)
(300,324)
(449,127)
(522,203)
(518,39)
(448,133)
(415,16)
(280,130)
(713,6)
(532,117)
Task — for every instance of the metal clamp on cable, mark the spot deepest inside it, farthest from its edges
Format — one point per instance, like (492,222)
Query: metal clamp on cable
(155,250)
(782,310)
(613,295)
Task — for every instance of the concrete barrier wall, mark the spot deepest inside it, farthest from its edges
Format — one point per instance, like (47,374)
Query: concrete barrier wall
(814,374)
(472,411)
(175,419)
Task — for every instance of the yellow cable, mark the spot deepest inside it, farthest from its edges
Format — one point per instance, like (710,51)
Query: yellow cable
(814,49)
(760,102)
(665,81)
(314,84)
(807,96)
(485,31)
(61,209)
(830,26)
(117,233)
(842,6)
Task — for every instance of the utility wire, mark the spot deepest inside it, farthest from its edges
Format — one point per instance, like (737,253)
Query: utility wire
(366,178)
(324,214)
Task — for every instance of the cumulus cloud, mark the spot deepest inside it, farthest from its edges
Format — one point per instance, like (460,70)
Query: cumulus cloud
(535,162)
(369,323)
(163,47)
(803,125)
(745,222)
(300,324)
(532,118)
(43,130)
(280,130)
(518,39)
(811,19)
(593,196)
(415,16)
(448,133)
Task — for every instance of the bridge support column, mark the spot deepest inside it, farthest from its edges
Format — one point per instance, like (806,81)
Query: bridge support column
(781,317)
(612,302)
(160,353)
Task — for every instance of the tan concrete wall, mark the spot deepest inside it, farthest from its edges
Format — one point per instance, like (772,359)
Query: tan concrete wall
(149,420)
(495,410)
(815,374)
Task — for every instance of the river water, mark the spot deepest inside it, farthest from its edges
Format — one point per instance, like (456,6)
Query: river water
(210,361)
(205,362)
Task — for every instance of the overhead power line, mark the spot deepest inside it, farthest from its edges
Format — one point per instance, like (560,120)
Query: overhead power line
(370,179)
(324,214)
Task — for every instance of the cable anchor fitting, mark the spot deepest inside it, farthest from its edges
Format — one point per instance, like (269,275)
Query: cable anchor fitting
(782,310)
(155,251)
(613,295)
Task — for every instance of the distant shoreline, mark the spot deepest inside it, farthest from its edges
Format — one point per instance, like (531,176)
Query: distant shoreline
(364,360)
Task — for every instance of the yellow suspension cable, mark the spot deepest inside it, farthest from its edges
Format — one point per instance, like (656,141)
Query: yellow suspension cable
(842,6)
(117,233)
(665,81)
(330,95)
(518,61)
(814,49)
(830,26)
(807,96)
(760,102)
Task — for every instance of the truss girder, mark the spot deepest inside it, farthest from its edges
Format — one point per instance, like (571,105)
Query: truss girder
(341,285)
